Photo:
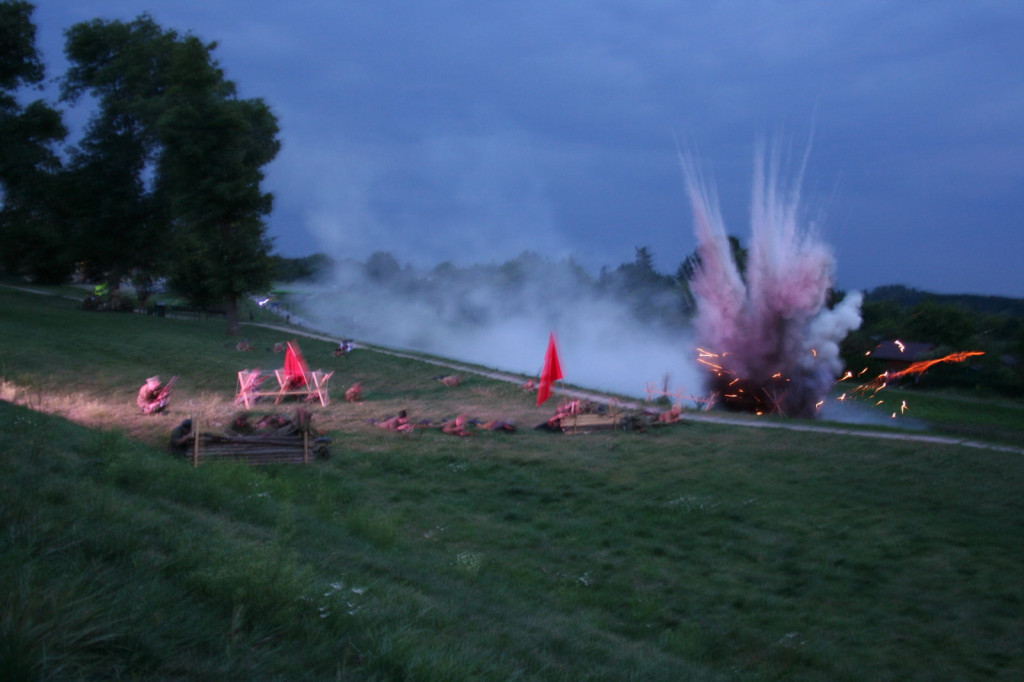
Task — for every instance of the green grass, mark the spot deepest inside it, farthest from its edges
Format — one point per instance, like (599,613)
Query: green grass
(700,551)
(988,420)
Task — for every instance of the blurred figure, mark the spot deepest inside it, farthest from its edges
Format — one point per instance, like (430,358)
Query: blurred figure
(399,423)
(502,425)
(343,348)
(181,437)
(154,396)
(457,426)
(670,416)
(240,425)
(355,393)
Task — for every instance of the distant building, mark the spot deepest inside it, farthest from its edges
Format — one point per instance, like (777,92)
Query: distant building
(898,355)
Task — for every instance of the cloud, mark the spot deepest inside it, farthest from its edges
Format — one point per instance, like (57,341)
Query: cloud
(558,121)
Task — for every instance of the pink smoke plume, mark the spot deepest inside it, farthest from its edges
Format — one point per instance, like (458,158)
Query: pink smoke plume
(769,342)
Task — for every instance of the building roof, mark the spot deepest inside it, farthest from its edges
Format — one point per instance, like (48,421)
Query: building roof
(900,351)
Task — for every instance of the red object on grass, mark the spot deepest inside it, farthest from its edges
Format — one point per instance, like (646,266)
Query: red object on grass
(295,368)
(552,372)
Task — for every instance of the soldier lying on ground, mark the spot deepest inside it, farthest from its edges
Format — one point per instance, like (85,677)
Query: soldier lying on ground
(457,426)
(670,416)
(399,423)
(501,425)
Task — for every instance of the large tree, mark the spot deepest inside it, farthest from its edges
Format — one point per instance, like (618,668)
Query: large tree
(171,166)
(215,148)
(125,67)
(30,226)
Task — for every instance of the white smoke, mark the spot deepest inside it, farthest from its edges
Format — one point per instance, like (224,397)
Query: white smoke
(601,344)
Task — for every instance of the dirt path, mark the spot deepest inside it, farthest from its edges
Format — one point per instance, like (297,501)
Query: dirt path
(633,405)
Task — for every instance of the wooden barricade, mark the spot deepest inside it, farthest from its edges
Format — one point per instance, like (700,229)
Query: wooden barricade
(251,387)
(298,448)
(575,423)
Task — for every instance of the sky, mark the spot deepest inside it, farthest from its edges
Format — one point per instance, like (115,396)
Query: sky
(469,132)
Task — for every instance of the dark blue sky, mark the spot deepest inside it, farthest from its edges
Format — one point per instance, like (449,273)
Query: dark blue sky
(470,131)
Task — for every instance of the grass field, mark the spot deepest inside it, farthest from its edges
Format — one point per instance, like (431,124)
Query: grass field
(703,551)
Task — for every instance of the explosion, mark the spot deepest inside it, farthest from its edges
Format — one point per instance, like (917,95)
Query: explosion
(773,344)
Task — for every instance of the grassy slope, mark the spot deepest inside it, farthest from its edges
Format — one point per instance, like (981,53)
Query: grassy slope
(699,551)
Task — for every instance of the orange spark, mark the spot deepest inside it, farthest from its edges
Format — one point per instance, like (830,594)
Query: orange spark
(919,367)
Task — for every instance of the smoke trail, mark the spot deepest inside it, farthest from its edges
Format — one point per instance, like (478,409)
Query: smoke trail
(773,345)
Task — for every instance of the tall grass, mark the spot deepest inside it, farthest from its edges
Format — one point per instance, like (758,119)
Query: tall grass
(699,551)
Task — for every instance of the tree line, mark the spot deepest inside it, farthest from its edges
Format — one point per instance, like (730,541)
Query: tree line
(165,183)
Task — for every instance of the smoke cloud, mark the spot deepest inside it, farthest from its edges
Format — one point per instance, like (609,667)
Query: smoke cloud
(500,317)
(769,342)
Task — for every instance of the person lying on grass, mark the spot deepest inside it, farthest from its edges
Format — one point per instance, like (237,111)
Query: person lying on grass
(399,423)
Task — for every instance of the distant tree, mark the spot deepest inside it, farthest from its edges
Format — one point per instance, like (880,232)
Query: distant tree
(904,296)
(445,270)
(514,274)
(315,267)
(688,269)
(739,255)
(381,266)
(651,296)
(883,319)
(643,262)
(637,276)
(940,323)
(30,227)
(685,273)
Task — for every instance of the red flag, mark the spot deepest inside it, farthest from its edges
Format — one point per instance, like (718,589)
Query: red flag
(552,372)
(295,367)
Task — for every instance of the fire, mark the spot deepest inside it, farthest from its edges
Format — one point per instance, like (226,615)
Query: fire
(738,392)
(885,378)
(919,367)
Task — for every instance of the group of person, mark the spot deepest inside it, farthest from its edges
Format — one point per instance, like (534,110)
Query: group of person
(266,425)
(459,425)
(154,397)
